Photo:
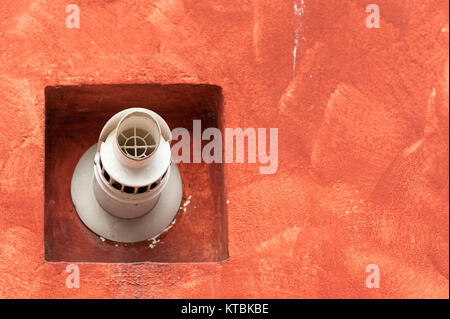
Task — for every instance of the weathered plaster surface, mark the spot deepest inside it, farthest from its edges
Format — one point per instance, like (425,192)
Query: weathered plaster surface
(363,124)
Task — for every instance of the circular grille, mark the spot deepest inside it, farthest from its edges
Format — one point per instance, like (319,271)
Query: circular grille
(136,143)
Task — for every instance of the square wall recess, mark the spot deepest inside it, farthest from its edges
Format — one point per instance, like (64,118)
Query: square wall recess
(74,117)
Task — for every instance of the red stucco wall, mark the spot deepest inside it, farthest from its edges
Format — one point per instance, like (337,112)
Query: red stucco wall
(363,141)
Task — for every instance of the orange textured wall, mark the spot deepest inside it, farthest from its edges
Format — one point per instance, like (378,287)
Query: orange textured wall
(363,140)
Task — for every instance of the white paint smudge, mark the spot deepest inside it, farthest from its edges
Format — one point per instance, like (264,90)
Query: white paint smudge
(299,10)
(295,53)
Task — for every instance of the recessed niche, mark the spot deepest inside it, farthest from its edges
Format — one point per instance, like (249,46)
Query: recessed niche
(74,117)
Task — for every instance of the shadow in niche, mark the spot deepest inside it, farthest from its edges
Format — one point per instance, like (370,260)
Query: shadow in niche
(74,117)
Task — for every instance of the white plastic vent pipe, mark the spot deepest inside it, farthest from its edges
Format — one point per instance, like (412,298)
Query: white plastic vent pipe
(132,165)
(136,190)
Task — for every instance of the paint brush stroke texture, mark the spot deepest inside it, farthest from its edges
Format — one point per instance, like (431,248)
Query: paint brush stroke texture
(363,141)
